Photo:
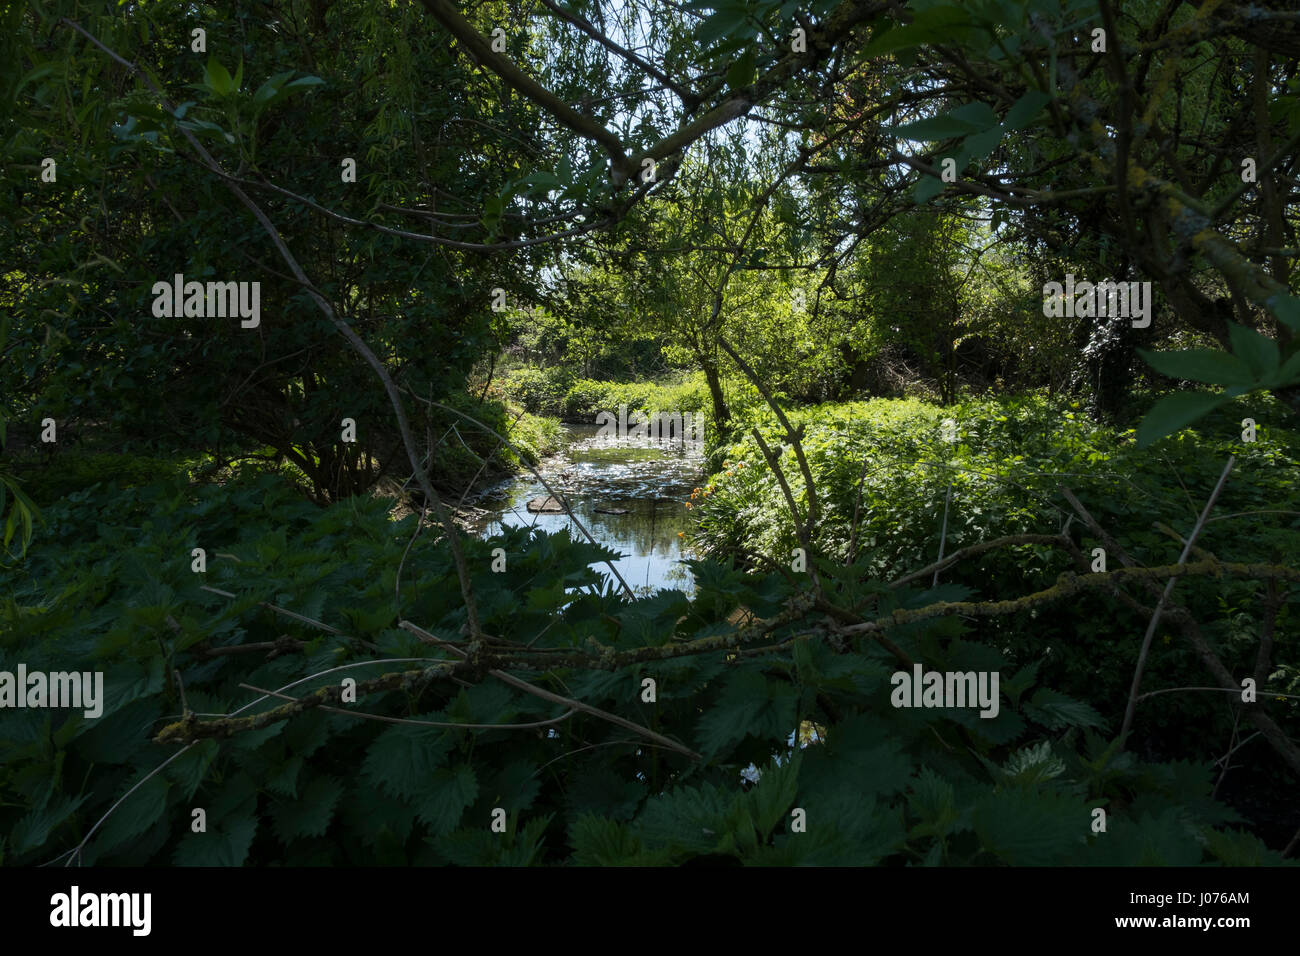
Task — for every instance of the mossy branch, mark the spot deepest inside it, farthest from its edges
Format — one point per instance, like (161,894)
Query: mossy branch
(191,728)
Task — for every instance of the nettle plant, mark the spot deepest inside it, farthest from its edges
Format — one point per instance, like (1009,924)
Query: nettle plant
(580,726)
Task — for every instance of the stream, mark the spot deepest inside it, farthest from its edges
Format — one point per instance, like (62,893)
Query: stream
(629,493)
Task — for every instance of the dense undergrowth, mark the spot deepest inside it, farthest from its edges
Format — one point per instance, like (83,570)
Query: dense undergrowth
(887,463)
(109,584)
(470,455)
(560,393)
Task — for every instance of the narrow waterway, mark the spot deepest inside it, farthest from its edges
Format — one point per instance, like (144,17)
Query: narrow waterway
(630,494)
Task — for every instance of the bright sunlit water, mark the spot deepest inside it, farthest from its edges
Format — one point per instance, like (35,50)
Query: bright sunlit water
(651,481)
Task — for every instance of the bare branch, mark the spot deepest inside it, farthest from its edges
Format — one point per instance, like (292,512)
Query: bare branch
(1169,587)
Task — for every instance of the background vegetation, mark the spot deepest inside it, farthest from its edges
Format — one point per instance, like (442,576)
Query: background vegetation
(735,207)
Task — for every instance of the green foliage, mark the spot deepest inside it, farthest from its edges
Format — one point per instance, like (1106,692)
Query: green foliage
(875,784)
(1255,364)
(886,463)
(85,346)
(20,515)
(903,287)
(551,392)
(76,470)
(975,124)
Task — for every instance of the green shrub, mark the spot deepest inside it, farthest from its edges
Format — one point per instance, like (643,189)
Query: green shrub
(881,784)
(46,481)
(539,391)
(887,460)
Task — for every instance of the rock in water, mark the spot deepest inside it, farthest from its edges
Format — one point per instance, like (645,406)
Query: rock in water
(548,505)
(610,510)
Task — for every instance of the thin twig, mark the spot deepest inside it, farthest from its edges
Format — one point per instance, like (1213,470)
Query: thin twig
(943,535)
(801,529)
(1216,690)
(556,698)
(1226,759)
(422,723)
(978,548)
(857,507)
(295,616)
(1164,598)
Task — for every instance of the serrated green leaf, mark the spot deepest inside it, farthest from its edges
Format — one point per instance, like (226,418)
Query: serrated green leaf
(1031,827)
(844,829)
(1200,365)
(1035,764)
(1026,109)
(226,842)
(1174,413)
(1057,711)
(750,704)
(1239,848)
(933,802)
(858,753)
(1258,352)
(770,800)
(1021,681)
(284,779)
(448,794)
(599,789)
(189,770)
(403,759)
(310,815)
(1161,839)
(516,787)
(137,813)
(598,841)
(35,828)
(687,818)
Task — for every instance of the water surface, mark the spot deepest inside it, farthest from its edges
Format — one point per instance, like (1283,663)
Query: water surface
(650,481)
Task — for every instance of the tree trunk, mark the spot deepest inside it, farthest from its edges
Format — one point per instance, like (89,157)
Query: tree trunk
(721,413)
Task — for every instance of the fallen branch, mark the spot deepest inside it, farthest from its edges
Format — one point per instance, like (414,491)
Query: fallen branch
(556,698)
(191,728)
(550,722)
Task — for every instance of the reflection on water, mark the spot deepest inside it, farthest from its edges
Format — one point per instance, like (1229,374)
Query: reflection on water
(650,482)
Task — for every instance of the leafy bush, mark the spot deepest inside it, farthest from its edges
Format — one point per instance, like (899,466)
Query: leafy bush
(555,392)
(886,461)
(540,391)
(879,785)
(76,470)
